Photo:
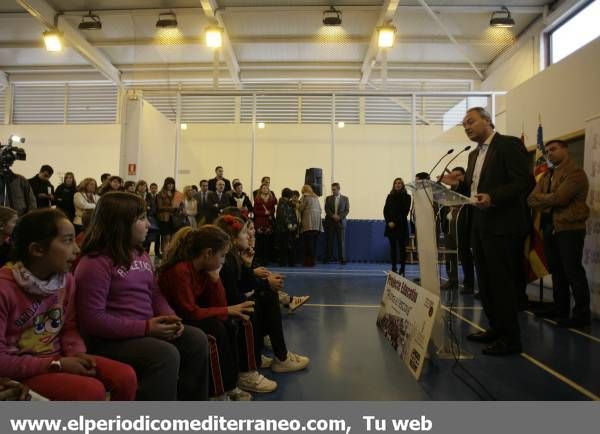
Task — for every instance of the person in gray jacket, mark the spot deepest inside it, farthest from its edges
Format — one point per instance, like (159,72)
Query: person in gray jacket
(16,193)
(337,207)
(311,224)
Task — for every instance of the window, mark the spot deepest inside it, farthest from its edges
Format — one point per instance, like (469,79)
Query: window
(574,33)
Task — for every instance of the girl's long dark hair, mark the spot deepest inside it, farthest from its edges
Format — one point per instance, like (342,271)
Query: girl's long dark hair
(190,243)
(38,226)
(110,228)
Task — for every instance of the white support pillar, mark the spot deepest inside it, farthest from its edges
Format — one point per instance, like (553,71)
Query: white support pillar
(177,135)
(414,135)
(333,125)
(253,152)
(131,135)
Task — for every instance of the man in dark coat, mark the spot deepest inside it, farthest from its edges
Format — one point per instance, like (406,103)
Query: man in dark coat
(498,179)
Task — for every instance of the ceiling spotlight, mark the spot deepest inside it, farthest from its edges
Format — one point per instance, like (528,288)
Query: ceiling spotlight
(261,125)
(332,17)
(502,18)
(386,36)
(213,37)
(90,22)
(184,126)
(341,124)
(166,20)
(53,40)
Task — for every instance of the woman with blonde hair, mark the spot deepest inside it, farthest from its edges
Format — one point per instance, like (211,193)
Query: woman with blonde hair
(190,205)
(311,224)
(85,198)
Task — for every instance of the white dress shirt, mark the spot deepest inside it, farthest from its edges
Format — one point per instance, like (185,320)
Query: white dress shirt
(483,147)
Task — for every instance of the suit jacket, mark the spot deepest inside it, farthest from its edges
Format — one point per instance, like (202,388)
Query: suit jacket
(343,210)
(212,184)
(507,176)
(207,210)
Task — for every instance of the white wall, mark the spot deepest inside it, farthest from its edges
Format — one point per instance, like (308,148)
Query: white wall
(85,150)
(156,157)
(368,157)
(564,94)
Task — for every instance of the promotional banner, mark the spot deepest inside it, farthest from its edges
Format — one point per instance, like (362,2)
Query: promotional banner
(406,317)
(591,251)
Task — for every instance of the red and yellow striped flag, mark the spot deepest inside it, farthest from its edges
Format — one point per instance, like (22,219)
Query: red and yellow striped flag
(537,267)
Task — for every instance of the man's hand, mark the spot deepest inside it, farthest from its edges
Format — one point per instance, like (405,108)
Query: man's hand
(275,282)
(449,179)
(261,272)
(483,200)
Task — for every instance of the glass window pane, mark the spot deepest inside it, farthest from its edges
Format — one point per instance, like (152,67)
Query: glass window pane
(575,33)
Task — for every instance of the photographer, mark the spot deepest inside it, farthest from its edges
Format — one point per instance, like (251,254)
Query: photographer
(15,191)
(42,188)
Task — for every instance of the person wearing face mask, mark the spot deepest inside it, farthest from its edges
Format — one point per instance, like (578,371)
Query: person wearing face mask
(499,177)
(560,196)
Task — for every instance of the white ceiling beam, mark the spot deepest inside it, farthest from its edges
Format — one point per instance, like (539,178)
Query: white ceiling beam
(254,40)
(46,15)
(452,38)
(388,10)
(211,10)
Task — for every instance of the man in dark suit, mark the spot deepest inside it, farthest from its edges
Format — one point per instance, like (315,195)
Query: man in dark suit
(212,183)
(218,200)
(337,208)
(498,179)
(206,199)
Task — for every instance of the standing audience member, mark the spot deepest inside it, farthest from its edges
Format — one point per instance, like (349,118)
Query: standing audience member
(114,183)
(265,180)
(190,205)
(395,213)
(141,188)
(129,186)
(8,220)
(219,199)
(560,196)
(311,224)
(264,216)
(64,195)
(206,199)
(240,199)
(42,188)
(337,207)
(499,178)
(16,193)
(44,350)
(85,198)
(286,228)
(212,183)
(123,313)
(166,208)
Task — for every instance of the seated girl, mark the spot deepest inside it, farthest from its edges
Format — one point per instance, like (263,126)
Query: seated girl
(40,345)
(122,312)
(190,280)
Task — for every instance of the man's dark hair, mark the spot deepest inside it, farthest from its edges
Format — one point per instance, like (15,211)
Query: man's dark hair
(265,178)
(422,176)
(218,167)
(296,193)
(204,180)
(48,169)
(560,143)
(154,184)
(286,192)
(104,177)
(459,169)
(335,184)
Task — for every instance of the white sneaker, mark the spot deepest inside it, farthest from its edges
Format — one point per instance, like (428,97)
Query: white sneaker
(265,362)
(297,302)
(254,382)
(267,343)
(238,394)
(284,298)
(294,362)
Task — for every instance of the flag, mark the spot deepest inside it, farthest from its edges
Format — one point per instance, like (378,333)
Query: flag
(536,264)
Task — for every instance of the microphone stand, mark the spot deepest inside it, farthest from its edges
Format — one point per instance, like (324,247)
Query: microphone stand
(439,161)
(455,157)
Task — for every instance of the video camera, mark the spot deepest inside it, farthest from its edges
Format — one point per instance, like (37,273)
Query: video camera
(10,153)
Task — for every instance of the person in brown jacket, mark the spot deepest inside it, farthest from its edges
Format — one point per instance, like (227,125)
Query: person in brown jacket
(560,195)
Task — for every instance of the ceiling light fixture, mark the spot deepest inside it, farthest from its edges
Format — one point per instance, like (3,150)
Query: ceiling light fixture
(341,124)
(261,125)
(386,36)
(53,40)
(332,17)
(166,20)
(502,18)
(90,22)
(213,37)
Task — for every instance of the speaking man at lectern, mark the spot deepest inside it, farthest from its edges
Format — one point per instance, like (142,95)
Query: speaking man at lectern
(498,179)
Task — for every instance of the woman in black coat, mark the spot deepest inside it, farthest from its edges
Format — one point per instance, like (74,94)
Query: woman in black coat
(395,212)
(64,195)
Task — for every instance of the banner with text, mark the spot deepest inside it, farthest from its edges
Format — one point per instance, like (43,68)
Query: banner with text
(406,317)
(591,251)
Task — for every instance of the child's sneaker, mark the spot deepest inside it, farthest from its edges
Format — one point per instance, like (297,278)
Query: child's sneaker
(296,302)
(238,394)
(265,362)
(284,298)
(294,362)
(254,382)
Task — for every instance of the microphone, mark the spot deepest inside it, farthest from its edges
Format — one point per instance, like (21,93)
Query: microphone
(440,160)
(455,157)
